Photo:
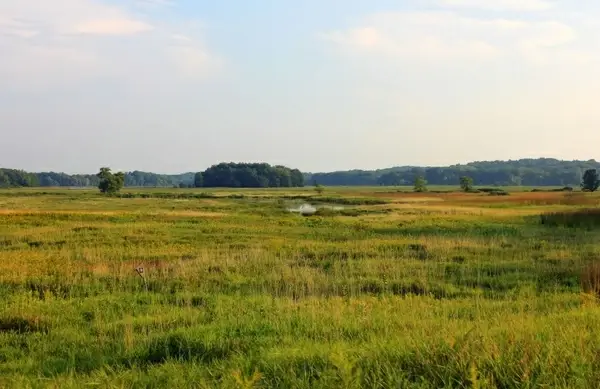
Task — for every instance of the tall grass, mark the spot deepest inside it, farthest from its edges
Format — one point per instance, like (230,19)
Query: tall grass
(586,218)
(238,292)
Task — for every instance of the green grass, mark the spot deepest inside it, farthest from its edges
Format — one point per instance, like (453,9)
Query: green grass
(393,290)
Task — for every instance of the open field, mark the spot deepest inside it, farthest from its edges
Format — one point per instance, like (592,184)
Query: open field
(392,290)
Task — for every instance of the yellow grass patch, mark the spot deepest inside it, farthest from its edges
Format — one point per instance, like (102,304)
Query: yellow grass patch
(191,213)
(28,212)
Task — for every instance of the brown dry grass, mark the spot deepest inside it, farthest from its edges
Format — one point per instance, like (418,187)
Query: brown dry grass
(34,212)
(590,279)
(191,213)
(515,198)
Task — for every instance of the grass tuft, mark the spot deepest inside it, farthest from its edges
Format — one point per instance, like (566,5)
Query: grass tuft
(21,325)
(590,279)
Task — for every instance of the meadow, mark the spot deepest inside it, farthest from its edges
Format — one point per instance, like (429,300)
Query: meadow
(389,290)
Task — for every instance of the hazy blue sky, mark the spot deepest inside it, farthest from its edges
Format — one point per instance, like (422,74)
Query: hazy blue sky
(177,85)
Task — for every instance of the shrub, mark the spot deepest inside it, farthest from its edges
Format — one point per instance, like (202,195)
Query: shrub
(420,185)
(493,191)
(499,193)
(563,189)
(466,184)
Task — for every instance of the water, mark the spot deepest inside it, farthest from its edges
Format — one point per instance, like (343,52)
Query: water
(304,209)
(308,209)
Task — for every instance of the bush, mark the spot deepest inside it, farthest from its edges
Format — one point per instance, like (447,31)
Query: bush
(499,193)
(493,191)
(564,189)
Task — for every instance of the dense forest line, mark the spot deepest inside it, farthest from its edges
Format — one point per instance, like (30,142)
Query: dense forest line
(526,172)
(250,175)
(235,175)
(19,178)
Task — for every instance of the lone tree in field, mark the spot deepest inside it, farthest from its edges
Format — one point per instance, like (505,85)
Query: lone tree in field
(110,183)
(466,184)
(319,188)
(591,180)
(420,184)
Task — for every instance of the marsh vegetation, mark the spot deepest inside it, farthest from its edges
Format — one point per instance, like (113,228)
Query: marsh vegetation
(393,289)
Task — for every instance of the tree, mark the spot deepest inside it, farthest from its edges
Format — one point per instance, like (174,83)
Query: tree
(390,179)
(319,188)
(590,180)
(251,175)
(110,183)
(420,184)
(297,178)
(198,180)
(527,172)
(466,184)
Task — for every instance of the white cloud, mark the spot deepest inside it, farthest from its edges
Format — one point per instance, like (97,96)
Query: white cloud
(181,38)
(17,28)
(60,42)
(500,5)
(192,62)
(438,35)
(154,3)
(112,27)
(70,16)
(469,80)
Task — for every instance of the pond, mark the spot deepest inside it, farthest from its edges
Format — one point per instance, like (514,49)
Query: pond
(309,209)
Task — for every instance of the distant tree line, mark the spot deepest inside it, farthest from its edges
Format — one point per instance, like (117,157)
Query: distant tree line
(19,178)
(249,175)
(62,179)
(235,175)
(525,172)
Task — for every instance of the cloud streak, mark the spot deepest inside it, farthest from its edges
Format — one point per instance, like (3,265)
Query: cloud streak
(53,44)
(112,27)
(441,35)
(500,5)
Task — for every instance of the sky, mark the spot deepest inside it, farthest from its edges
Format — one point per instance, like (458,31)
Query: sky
(178,85)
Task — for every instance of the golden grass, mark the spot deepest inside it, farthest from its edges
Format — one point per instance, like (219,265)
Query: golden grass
(443,288)
(590,279)
(33,212)
(193,213)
